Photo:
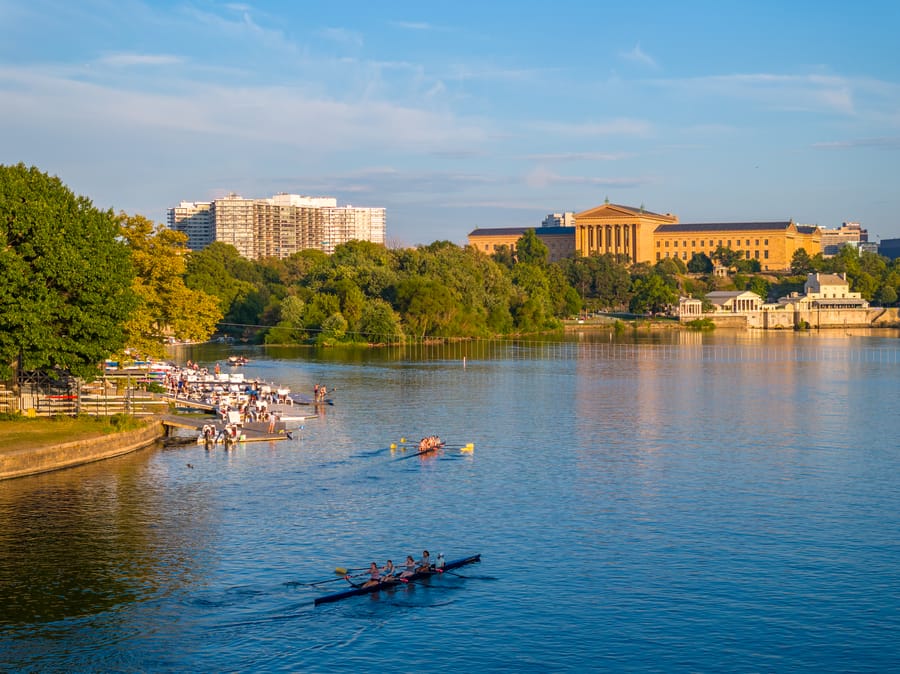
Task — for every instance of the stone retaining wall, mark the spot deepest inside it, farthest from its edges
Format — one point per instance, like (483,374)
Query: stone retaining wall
(66,455)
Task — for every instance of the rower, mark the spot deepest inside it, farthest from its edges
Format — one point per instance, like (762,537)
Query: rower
(387,573)
(374,575)
(410,568)
(439,564)
(425,562)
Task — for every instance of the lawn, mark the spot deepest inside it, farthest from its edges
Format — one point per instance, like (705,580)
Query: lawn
(31,433)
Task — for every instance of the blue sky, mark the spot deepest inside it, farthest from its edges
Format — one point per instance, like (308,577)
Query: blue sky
(460,114)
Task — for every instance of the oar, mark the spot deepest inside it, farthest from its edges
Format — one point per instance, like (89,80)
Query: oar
(324,582)
(340,570)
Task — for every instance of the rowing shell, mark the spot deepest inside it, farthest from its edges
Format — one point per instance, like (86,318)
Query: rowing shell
(356,591)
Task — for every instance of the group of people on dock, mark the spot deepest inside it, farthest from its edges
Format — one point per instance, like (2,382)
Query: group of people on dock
(429,443)
(388,572)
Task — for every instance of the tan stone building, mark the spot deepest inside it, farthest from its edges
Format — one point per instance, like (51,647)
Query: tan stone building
(560,241)
(638,235)
(620,230)
(772,243)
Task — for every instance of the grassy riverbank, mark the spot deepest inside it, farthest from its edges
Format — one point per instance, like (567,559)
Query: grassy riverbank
(19,433)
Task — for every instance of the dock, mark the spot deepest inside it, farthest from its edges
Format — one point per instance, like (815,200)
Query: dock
(249,432)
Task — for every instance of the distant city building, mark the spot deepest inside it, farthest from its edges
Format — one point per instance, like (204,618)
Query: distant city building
(278,226)
(566,219)
(889,248)
(195,220)
(849,232)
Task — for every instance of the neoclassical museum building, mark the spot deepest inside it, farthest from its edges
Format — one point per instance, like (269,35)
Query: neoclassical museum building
(643,236)
(639,235)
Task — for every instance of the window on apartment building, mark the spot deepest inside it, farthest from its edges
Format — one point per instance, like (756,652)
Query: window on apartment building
(747,254)
(757,242)
(765,242)
(684,244)
(720,242)
(658,244)
(684,255)
(766,254)
(658,255)
(675,243)
(756,254)
(693,244)
(729,243)
(667,245)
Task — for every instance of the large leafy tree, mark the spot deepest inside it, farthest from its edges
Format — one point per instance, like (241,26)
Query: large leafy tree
(166,306)
(65,276)
(652,294)
(530,249)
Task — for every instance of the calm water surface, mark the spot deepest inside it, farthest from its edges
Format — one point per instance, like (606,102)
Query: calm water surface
(700,503)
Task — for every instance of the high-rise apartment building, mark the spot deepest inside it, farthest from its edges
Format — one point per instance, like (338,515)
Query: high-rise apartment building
(194,218)
(278,226)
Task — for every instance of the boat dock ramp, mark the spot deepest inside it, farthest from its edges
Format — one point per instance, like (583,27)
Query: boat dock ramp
(254,431)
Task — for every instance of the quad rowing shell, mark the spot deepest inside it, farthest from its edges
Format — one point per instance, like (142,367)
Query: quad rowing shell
(356,591)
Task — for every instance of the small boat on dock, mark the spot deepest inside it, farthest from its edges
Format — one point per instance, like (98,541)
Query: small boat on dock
(384,585)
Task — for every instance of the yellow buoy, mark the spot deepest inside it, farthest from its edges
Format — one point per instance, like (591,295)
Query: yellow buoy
(468,448)
(393,446)
(402,439)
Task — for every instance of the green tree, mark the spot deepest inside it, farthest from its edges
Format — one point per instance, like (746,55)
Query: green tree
(748,265)
(651,294)
(886,295)
(213,271)
(427,306)
(530,249)
(801,264)
(759,286)
(700,264)
(379,323)
(504,255)
(65,276)
(726,257)
(334,329)
(166,306)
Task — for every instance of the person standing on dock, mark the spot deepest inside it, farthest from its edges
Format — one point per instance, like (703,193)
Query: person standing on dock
(218,369)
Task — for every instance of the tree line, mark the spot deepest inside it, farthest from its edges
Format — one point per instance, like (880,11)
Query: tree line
(78,284)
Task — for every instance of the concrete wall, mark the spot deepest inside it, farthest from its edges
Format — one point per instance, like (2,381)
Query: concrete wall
(19,463)
(787,319)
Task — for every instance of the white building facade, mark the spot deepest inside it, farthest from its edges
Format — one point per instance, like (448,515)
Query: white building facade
(278,226)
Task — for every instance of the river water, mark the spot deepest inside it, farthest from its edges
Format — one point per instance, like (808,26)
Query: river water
(675,503)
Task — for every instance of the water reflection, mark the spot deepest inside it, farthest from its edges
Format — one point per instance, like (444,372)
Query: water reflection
(82,541)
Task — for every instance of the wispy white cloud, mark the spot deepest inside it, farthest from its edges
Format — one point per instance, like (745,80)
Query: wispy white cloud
(343,36)
(811,92)
(614,127)
(541,177)
(243,28)
(580,156)
(125,59)
(278,115)
(411,25)
(638,55)
(887,143)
